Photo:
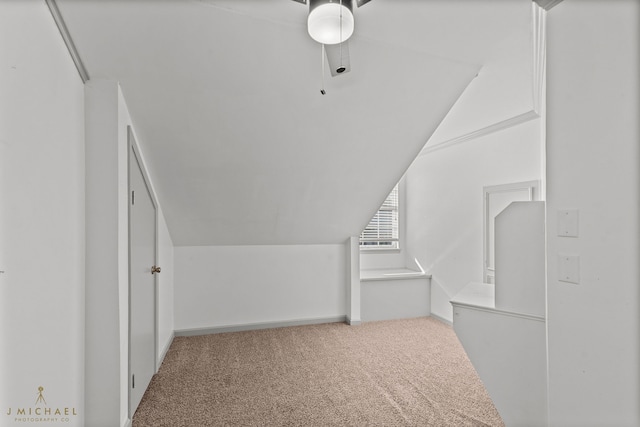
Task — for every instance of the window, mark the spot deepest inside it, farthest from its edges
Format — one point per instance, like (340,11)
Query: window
(382,230)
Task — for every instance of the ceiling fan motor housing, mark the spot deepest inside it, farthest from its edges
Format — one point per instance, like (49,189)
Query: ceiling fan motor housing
(330,21)
(315,3)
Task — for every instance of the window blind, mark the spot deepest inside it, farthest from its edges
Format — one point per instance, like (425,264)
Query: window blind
(382,230)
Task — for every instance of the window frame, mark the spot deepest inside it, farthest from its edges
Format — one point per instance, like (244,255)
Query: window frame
(532,188)
(400,226)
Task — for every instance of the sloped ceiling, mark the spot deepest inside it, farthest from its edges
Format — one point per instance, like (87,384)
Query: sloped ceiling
(225,99)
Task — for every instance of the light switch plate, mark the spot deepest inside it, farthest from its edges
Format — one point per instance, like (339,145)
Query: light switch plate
(569,268)
(568,223)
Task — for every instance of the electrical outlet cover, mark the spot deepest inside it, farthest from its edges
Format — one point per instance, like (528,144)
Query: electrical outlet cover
(569,268)
(568,223)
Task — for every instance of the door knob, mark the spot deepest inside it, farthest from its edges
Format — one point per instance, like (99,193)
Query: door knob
(155,269)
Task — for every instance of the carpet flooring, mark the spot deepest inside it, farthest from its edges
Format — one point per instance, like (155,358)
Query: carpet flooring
(410,372)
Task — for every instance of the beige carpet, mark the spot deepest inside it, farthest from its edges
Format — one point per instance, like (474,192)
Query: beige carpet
(394,373)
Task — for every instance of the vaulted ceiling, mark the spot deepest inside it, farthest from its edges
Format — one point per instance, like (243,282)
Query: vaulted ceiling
(225,99)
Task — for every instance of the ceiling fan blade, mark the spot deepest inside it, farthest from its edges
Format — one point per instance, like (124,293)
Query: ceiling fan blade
(359,2)
(338,65)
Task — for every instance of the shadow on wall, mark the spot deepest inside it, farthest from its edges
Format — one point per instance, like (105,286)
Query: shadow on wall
(450,249)
(442,308)
(449,272)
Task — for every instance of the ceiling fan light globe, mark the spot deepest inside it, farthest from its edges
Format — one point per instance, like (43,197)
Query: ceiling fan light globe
(324,23)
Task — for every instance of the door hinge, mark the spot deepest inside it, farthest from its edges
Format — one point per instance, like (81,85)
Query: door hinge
(133,381)
(133,197)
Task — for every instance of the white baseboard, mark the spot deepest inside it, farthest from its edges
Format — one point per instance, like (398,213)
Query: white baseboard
(353,322)
(442,319)
(256,326)
(127,423)
(165,350)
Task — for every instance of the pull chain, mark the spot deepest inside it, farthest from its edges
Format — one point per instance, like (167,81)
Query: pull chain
(322,91)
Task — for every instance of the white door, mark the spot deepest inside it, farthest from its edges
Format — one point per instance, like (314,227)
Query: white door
(142,244)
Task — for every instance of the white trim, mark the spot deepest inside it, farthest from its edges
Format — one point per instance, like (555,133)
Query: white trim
(379,250)
(408,275)
(540,86)
(394,273)
(533,187)
(353,279)
(539,57)
(127,423)
(71,47)
(353,322)
(402,225)
(164,351)
(441,319)
(547,4)
(498,311)
(257,326)
(496,127)
(400,184)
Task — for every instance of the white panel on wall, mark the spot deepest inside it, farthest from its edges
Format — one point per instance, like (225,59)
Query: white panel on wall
(509,353)
(593,105)
(237,285)
(520,259)
(41,218)
(395,299)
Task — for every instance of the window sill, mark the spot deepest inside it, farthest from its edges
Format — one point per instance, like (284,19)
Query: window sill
(380,250)
(391,274)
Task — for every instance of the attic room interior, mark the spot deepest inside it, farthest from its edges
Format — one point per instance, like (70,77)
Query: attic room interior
(184,171)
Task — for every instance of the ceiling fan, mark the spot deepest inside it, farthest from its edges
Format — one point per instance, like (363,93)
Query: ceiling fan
(331,23)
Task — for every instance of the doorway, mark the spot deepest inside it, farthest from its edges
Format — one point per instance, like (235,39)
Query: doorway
(496,199)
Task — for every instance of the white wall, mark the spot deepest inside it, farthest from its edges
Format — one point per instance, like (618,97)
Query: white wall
(508,352)
(445,204)
(41,216)
(593,162)
(107,292)
(237,285)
